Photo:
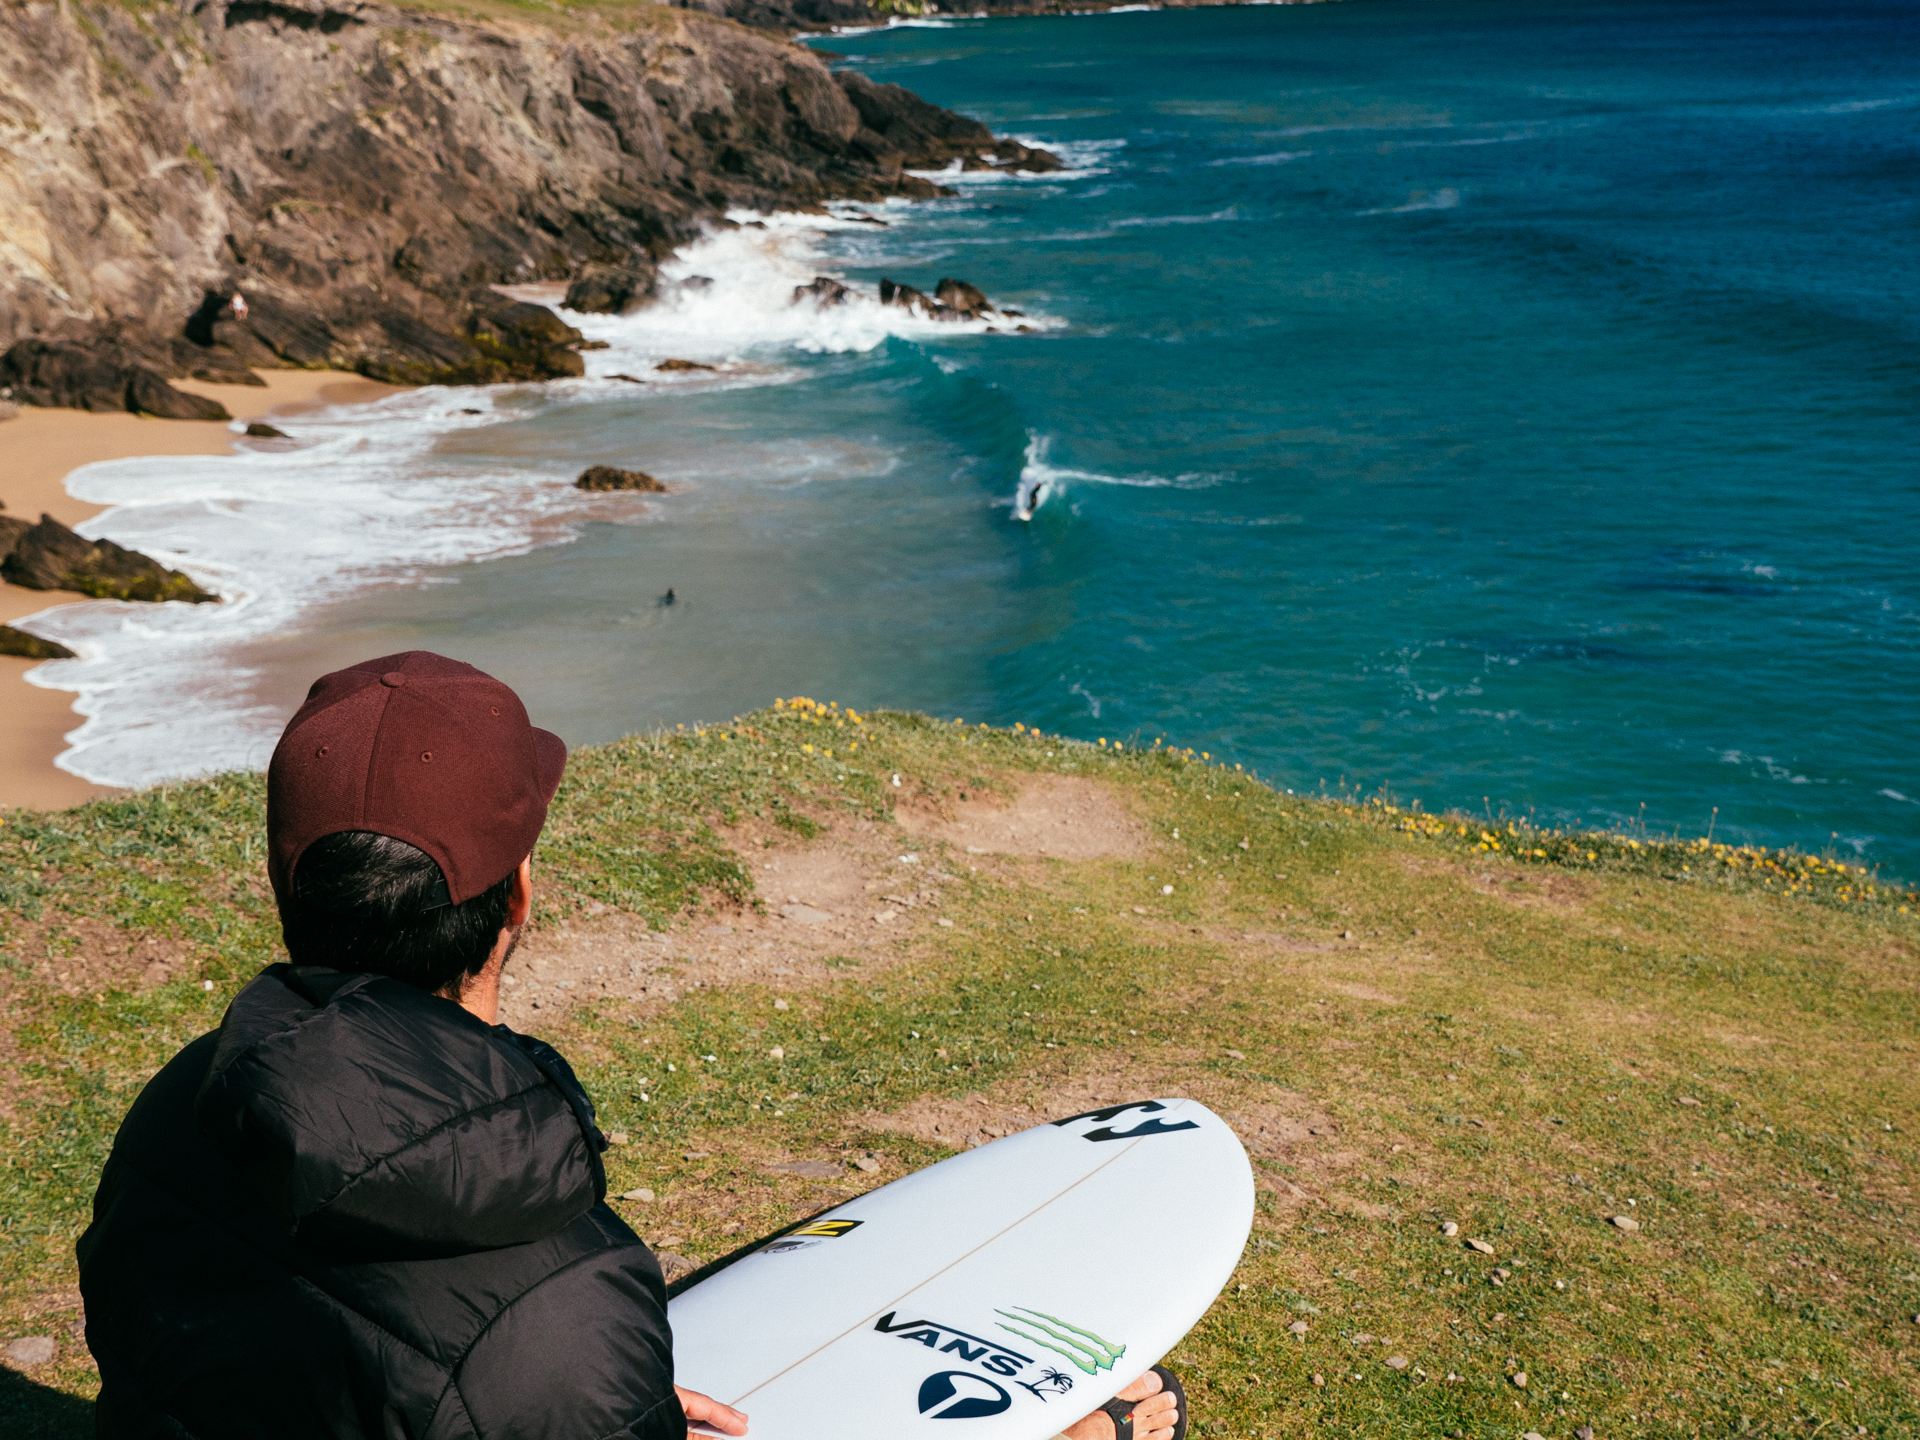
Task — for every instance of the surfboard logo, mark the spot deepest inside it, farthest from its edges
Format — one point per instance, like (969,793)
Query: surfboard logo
(1144,1128)
(973,1349)
(961,1395)
(812,1234)
(1090,1352)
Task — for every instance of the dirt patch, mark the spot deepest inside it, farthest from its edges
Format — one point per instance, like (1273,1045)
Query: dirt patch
(859,895)
(855,897)
(1059,817)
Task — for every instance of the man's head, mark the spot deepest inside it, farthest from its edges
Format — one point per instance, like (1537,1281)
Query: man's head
(402,799)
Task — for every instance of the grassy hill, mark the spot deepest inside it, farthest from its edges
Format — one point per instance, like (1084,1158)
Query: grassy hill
(1417,1022)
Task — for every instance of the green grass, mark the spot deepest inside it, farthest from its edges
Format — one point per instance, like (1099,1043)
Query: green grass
(1517,1067)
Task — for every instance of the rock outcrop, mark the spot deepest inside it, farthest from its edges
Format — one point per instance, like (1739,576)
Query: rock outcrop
(951,300)
(31,647)
(823,291)
(365,175)
(608,477)
(49,556)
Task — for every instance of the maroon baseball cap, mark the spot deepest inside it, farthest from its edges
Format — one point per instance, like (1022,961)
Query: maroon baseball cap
(422,748)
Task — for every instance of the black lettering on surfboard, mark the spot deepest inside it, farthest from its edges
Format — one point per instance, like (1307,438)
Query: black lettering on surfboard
(975,1349)
(1109,1112)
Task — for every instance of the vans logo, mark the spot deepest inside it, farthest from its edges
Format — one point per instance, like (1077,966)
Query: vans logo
(1144,1128)
(946,1340)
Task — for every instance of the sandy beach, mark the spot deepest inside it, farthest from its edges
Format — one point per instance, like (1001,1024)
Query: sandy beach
(42,448)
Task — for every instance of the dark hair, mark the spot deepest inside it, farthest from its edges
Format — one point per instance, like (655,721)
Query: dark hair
(370,903)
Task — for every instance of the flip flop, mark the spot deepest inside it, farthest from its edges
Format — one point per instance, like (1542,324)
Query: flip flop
(1121,1411)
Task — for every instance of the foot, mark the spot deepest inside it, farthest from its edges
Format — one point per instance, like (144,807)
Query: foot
(1153,1417)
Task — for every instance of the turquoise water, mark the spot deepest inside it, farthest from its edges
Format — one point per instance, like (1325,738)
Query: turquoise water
(1509,404)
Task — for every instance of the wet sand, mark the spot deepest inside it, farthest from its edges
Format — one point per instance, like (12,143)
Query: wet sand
(42,447)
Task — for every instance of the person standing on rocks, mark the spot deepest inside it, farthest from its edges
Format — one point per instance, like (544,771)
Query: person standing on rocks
(361,1207)
(239,306)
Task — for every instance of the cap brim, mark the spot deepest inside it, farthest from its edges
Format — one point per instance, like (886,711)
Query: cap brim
(549,763)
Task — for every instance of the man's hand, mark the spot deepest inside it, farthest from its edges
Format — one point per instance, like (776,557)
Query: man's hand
(706,1409)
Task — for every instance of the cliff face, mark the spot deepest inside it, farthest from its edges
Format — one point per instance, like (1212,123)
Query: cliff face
(362,173)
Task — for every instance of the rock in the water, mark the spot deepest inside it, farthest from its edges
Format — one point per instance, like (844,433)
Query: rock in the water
(101,374)
(31,647)
(259,430)
(11,529)
(613,289)
(961,298)
(697,284)
(824,292)
(914,302)
(674,366)
(518,341)
(609,477)
(31,1350)
(49,556)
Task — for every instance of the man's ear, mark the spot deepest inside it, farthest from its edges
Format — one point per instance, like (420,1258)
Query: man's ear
(520,898)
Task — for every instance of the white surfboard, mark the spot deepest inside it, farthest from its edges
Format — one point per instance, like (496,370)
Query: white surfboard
(1016,1287)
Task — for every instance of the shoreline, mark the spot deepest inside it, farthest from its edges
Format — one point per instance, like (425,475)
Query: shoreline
(44,447)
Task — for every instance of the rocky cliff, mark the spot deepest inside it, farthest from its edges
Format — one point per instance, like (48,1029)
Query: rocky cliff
(365,174)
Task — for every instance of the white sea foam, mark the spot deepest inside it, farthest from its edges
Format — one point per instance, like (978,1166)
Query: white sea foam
(1279,157)
(1041,481)
(372,497)
(1443,199)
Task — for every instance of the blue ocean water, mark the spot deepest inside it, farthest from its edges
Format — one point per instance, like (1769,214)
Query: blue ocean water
(1511,404)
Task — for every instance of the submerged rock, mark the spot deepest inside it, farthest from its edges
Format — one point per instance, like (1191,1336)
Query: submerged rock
(608,477)
(260,430)
(49,556)
(671,366)
(951,300)
(825,292)
(31,647)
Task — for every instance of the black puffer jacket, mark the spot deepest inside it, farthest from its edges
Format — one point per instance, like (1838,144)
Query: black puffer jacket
(356,1210)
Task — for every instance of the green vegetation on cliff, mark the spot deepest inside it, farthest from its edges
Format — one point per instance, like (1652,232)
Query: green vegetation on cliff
(1416,1021)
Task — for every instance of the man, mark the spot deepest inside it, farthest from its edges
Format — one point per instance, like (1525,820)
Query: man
(361,1207)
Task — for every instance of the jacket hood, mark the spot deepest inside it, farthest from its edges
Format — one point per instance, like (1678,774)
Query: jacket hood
(378,1121)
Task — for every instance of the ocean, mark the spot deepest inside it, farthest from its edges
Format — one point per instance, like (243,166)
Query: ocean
(1508,405)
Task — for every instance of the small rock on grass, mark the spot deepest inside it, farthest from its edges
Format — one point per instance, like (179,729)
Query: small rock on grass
(1624,1222)
(1450,1229)
(1479,1247)
(1298,1327)
(1520,1378)
(616,1137)
(1585,1432)
(1396,1362)
(646,1196)
(1319,1379)
(31,1350)
(1688,1100)
(1532,1435)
